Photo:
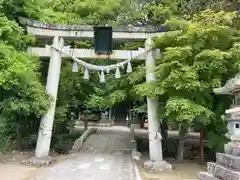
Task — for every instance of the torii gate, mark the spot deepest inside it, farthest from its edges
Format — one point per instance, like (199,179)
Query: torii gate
(59,32)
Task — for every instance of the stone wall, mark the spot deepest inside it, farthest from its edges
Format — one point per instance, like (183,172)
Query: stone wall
(227,165)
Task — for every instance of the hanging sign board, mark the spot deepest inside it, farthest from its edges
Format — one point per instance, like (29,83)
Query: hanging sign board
(103,40)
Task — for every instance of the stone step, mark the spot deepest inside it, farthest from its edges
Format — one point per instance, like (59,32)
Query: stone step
(206,176)
(228,160)
(104,125)
(222,172)
(232,148)
(82,123)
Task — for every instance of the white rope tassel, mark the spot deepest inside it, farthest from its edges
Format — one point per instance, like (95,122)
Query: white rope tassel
(117,74)
(102,77)
(129,67)
(86,74)
(75,67)
(96,67)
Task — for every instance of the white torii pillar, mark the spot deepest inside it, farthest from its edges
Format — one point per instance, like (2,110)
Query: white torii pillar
(156,162)
(45,129)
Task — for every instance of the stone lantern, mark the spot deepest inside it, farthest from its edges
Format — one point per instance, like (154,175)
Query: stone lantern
(227,165)
(232,115)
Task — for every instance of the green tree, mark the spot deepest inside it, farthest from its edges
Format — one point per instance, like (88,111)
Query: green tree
(198,57)
(22,97)
(88,11)
(26,8)
(191,7)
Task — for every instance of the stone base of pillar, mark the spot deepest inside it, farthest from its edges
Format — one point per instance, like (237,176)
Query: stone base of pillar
(157,166)
(38,162)
(105,123)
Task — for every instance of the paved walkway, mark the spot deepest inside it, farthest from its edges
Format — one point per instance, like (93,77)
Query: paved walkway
(105,156)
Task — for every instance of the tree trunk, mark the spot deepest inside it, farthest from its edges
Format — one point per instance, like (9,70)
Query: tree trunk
(201,146)
(85,124)
(18,134)
(110,115)
(164,133)
(164,130)
(18,137)
(180,150)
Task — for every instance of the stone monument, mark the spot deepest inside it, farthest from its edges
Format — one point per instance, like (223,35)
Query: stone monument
(227,165)
(105,121)
(134,121)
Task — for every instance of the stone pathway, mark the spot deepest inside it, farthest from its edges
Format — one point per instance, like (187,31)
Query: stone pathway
(15,171)
(105,156)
